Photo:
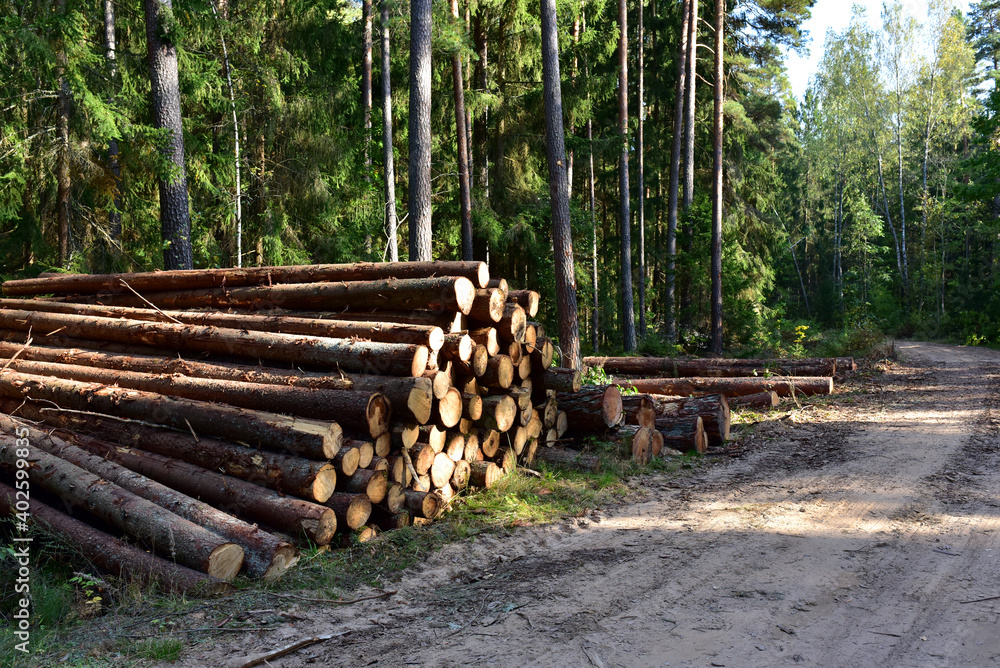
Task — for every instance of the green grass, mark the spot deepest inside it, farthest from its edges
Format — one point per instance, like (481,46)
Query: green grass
(132,626)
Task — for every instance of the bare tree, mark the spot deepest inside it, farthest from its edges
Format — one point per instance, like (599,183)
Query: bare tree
(390,167)
(420,129)
(569,327)
(624,213)
(175,219)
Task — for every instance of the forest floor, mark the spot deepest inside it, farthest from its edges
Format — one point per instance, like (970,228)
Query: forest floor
(859,531)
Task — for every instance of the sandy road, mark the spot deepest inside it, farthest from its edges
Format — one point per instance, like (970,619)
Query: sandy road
(845,536)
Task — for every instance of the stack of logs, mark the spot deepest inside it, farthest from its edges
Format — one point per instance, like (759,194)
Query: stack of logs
(684,404)
(221,418)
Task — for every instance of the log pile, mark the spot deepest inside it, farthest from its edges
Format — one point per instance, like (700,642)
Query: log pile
(220,418)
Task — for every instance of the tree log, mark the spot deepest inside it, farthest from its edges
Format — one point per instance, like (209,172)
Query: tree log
(387,520)
(558,379)
(449,321)
(393,359)
(312,480)
(642,445)
(457,346)
(448,410)
(648,367)
(640,409)
(486,336)
(499,412)
(114,556)
(167,533)
(395,498)
(526,299)
(423,504)
(846,365)
(308,438)
(455,449)
(686,434)
(733,387)
(488,305)
(441,470)
(758,400)
(483,474)
(264,556)
(357,409)
(593,409)
(569,458)
(238,497)
(373,484)
(460,477)
(352,510)
(347,458)
(712,408)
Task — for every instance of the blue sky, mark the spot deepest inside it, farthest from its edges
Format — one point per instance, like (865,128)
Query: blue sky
(836,15)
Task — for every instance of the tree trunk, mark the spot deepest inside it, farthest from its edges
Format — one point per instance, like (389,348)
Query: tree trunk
(366,80)
(391,223)
(308,438)
(562,233)
(569,458)
(691,81)
(264,555)
(159,281)
(647,367)
(357,356)
(757,400)
(479,138)
(685,435)
(110,54)
(420,130)
(719,90)
(373,484)
(237,203)
(596,314)
(352,510)
(170,535)
(732,387)
(675,164)
(640,150)
(175,220)
(309,479)
(464,192)
(713,409)
(114,556)
(624,192)
(593,409)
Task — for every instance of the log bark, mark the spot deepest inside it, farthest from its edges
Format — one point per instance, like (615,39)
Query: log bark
(806,385)
(569,458)
(356,409)
(558,379)
(499,412)
(312,480)
(846,365)
(757,400)
(593,409)
(114,556)
(307,438)
(526,299)
(513,324)
(488,306)
(460,477)
(371,483)
(713,409)
(499,372)
(264,556)
(667,367)
(240,498)
(423,504)
(486,336)
(352,510)
(395,359)
(483,474)
(158,528)
(477,272)
(685,434)
(640,410)
(449,321)
(457,346)
(431,336)
(387,520)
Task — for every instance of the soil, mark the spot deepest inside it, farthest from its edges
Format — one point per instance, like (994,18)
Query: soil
(862,532)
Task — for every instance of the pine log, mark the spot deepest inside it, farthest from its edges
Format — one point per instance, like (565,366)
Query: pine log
(530,336)
(423,504)
(378,464)
(526,299)
(733,387)
(426,335)
(387,520)
(756,400)
(449,321)
(562,423)
(352,510)
(657,443)
(308,438)
(460,477)
(472,406)
(446,493)
(488,305)
(550,412)
(518,438)
(347,458)
(366,453)
(357,409)
(477,272)
(448,410)
(500,284)
(483,474)
(486,336)
(524,368)
(313,480)
(640,409)
(712,408)
(499,412)
(471,445)
(441,470)
(411,397)
(534,425)
(114,556)
(422,483)
(499,372)
(373,484)
(642,445)
(405,435)
(240,498)
(593,409)
(437,294)
(685,434)
(561,380)
(168,533)
(506,459)
(396,359)
(264,556)
(395,498)
(455,449)
(542,353)
(846,365)
(398,471)
(457,346)
(515,351)
(569,458)
(422,456)
(648,367)
(512,325)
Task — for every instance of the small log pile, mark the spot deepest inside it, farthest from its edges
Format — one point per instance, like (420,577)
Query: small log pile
(685,403)
(220,418)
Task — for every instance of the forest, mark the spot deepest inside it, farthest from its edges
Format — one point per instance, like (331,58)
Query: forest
(706,207)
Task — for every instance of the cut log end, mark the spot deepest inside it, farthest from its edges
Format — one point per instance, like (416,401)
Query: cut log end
(420,358)
(284,558)
(324,484)
(465,295)
(225,561)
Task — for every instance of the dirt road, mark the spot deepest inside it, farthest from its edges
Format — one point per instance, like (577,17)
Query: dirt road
(853,535)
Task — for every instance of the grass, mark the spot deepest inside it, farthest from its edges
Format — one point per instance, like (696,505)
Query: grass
(138,627)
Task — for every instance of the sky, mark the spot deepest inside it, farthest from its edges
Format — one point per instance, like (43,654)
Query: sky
(836,15)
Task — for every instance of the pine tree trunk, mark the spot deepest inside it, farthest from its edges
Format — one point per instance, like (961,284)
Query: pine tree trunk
(366,80)
(595,316)
(115,213)
(238,200)
(479,139)
(420,130)
(624,192)
(464,192)
(691,81)
(641,177)
(675,165)
(717,211)
(175,219)
(391,223)
(562,234)
(62,162)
